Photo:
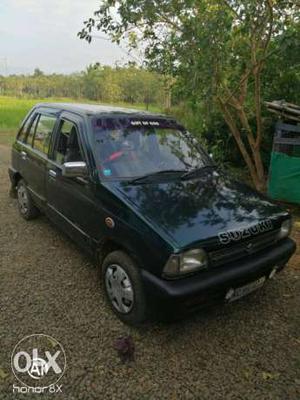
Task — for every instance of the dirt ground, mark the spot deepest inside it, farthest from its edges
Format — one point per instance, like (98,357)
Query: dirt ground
(247,350)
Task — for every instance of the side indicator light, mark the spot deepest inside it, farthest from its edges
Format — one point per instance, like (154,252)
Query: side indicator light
(110,222)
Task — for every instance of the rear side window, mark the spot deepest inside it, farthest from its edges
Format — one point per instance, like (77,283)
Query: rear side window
(23,132)
(43,133)
(31,132)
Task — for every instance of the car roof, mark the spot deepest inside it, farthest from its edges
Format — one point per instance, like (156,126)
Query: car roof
(99,110)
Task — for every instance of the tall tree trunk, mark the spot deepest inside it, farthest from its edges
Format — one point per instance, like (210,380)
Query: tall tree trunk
(255,145)
(252,160)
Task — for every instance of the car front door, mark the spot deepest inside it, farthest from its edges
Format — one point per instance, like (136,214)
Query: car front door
(70,201)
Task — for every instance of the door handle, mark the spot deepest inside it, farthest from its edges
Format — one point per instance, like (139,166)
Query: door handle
(52,173)
(23,155)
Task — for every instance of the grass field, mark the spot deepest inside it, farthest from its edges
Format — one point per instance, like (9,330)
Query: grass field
(13,110)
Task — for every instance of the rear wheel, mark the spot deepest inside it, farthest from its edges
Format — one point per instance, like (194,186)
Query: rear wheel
(26,206)
(123,287)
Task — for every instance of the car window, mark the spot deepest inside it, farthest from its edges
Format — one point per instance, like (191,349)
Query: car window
(30,135)
(67,147)
(43,133)
(23,132)
(132,150)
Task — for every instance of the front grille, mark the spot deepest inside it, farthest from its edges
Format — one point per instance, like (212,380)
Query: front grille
(248,247)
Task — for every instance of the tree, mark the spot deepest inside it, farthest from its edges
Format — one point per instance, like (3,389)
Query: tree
(129,84)
(216,49)
(37,72)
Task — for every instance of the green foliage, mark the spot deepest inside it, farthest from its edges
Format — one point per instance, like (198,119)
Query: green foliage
(13,111)
(282,71)
(220,53)
(281,81)
(37,72)
(127,84)
(205,43)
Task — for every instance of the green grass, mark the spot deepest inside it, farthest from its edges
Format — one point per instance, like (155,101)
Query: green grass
(13,110)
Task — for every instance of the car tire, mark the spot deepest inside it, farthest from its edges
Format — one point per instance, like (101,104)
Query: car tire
(26,206)
(123,288)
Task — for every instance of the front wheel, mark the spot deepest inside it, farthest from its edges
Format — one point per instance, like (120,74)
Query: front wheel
(123,287)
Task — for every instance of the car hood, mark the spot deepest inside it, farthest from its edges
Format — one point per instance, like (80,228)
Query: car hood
(192,211)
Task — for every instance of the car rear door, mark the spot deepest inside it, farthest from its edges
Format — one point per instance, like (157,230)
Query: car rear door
(70,201)
(34,153)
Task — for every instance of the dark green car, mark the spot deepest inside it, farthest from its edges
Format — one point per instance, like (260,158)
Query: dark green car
(170,230)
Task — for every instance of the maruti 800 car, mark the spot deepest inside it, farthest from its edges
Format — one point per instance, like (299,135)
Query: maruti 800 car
(170,230)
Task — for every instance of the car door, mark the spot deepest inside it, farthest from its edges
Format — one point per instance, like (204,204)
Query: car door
(34,153)
(71,201)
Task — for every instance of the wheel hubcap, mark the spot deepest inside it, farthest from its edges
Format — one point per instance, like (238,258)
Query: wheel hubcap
(119,288)
(23,199)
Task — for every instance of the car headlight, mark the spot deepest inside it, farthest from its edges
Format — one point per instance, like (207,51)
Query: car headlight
(285,229)
(185,263)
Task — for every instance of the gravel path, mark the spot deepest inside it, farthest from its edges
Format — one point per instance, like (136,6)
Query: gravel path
(247,350)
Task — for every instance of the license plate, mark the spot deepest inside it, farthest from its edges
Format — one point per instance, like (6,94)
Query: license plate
(237,293)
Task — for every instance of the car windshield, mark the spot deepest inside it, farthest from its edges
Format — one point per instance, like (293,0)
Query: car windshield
(141,148)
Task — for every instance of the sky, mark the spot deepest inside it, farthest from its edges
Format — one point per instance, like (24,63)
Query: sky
(43,34)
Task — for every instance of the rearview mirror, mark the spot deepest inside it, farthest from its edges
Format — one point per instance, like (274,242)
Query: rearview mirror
(74,169)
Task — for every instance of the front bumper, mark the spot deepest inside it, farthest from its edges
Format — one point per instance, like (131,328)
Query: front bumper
(180,296)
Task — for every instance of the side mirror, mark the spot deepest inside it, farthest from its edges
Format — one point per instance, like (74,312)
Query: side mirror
(74,169)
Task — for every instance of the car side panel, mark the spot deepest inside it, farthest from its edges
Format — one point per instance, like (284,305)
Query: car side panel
(71,205)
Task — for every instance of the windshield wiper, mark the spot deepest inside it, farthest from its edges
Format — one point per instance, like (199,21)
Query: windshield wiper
(194,171)
(157,173)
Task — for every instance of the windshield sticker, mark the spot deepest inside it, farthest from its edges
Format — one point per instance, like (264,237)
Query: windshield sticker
(234,236)
(123,123)
(145,123)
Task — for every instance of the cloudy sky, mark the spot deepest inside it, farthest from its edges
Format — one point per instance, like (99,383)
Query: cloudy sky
(42,33)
